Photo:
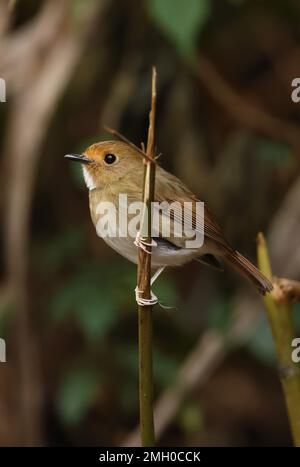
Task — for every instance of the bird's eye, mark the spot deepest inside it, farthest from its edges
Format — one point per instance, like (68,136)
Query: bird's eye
(110,158)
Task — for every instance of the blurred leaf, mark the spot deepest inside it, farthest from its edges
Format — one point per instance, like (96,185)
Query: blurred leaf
(261,343)
(129,396)
(56,251)
(128,358)
(219,316)
(165,368)
(166,291)
(79,7)
(191,419)
(180,20)
(97,314)
(275,153)
(94,295)
(88,298)
(76,395)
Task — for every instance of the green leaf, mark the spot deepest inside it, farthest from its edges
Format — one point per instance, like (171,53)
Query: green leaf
(180,20)
(76,395)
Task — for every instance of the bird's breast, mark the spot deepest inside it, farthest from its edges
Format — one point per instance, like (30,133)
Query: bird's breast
(118,227)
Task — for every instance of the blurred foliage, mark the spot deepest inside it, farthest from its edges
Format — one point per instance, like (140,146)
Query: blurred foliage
(261,342)
(278,155)
(191,419)
(77,393)
(52,254)
(79,6)
(181,24)
(219,317)
(88,295)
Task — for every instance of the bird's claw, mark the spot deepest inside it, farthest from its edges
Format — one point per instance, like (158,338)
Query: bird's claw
(145,301)
(140,242)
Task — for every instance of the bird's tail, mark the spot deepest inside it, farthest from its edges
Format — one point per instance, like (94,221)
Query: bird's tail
(248,270)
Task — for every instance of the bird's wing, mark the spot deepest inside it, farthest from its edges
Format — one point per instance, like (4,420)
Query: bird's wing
(169,188)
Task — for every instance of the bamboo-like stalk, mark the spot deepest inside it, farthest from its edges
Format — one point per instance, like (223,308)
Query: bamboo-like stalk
(143,285)
(281,322)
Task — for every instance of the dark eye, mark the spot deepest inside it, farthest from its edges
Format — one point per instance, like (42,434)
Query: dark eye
(110,158)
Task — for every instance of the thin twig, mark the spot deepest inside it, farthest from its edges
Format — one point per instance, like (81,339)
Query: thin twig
(143,285)
(119,135)
(280,319)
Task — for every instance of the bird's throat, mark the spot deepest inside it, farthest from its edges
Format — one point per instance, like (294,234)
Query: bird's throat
(88,178)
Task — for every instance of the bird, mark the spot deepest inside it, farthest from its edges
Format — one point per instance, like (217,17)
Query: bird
(113,170)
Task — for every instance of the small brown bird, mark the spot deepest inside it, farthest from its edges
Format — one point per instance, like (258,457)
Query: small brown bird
(112,168)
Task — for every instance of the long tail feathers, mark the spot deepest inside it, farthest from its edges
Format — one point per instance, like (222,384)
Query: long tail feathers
(246,268)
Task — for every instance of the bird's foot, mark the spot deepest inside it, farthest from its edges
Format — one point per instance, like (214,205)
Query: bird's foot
(145,301)
(140,242)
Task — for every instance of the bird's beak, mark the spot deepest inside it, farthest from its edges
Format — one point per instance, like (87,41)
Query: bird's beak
(79,158)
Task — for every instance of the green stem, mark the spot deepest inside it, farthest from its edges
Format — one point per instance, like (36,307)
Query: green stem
(146,380)
(143,280)
(281,322)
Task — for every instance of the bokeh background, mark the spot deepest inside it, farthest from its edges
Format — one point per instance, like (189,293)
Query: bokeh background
(227,126)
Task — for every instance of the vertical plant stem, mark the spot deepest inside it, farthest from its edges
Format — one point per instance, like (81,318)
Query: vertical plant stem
(143,284)
(281,322)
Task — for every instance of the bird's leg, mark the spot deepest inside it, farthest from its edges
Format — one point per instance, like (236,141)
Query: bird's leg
(148,301)
(157,273)
(141,243)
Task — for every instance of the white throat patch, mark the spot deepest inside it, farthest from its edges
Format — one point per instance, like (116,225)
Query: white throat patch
(88,179)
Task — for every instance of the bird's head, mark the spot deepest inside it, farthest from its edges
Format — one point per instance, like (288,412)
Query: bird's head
(108,162)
